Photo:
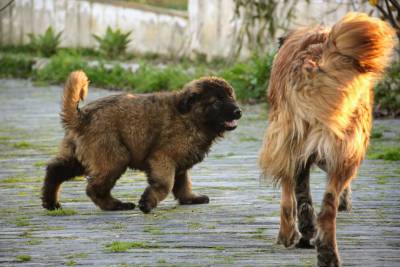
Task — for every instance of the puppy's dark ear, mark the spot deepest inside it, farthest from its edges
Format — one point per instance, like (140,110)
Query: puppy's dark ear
(186,101)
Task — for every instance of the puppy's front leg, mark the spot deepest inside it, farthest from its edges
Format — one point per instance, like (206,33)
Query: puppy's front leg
(183,190)
(160,176)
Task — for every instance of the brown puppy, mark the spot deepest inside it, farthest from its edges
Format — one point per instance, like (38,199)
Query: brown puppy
(163,134)
(321,96)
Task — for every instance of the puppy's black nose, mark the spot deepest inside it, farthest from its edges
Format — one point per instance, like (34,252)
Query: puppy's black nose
(237,113)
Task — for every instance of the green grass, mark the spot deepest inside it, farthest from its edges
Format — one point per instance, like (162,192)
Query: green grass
(388,154)
(26,234)
(375,134)
(248,139)
(219,248)
(381,179)
(152,230)
(22,145)
(16,65)
(33,242)
(40,163)
(20,179)
(22,222)
(194,225)
(123,246)
(81,255)
(61,212)
(23,258)
(70,263)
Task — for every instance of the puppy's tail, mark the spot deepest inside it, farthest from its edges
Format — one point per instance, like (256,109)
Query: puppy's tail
(359,41)
(75,89)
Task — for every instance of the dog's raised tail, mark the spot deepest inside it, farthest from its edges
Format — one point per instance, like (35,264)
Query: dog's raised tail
(75,90)
(366,42)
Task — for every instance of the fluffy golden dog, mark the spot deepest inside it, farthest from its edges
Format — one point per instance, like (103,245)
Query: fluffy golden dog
(321,97)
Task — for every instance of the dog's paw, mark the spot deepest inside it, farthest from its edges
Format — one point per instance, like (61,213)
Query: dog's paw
(345,205)
(197,199)
(327,253)
(51,205)
(145,207)
(126,206)
(288,239)
(304,243)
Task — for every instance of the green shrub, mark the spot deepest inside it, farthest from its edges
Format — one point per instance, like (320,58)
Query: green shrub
(171,4)
(46,44)
(250,78)
(113,43)
(389,154)
(59,67)
(16,65)
(150,79)
(387,93)
(115,78)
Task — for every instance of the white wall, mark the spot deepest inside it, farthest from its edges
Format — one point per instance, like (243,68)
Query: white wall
(152,30)
(207,28)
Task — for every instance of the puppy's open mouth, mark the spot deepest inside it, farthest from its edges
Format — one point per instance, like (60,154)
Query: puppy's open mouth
(230,125)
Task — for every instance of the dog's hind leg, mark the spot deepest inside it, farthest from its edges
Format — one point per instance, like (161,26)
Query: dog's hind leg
(183,190)
(99,190)
(325,240)
(305,210)
(288,233)
(345,200)
(160,176)
(107,160)
(58,171)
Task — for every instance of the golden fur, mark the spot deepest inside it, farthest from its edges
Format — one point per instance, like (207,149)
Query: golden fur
(321,97)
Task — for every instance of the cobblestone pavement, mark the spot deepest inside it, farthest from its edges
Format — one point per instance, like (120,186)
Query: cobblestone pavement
(237,228)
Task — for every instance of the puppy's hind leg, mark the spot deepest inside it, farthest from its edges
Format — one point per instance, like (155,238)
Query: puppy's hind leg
(108,160)
(183,190)
(58,171)
(99,190)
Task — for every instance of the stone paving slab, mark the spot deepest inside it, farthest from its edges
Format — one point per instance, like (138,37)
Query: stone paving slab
(237,228)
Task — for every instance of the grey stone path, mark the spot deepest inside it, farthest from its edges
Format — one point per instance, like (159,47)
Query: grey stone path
(237,228)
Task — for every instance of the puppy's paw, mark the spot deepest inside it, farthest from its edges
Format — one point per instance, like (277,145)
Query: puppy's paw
(196,199)
(145,207)
(288,239)
(146,204)
(126,206)
(51,205)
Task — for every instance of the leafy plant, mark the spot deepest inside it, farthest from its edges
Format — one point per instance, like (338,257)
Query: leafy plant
(113,43)
(250,78)
(15,65)
(387,93)
(59,67)
(150,79)
(260,21)
(46,44)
